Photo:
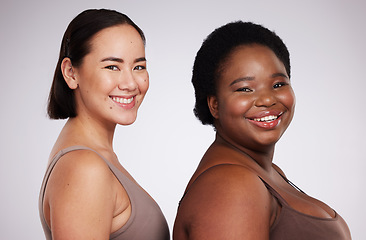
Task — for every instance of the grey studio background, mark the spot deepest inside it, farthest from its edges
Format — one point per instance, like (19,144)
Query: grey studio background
(322,151)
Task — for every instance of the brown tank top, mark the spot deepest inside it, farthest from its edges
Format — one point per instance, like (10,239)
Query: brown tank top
(291,224)
(146,221)
(294,225)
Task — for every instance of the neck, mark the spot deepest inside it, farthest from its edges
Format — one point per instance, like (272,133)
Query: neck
(91,132)
(262,157)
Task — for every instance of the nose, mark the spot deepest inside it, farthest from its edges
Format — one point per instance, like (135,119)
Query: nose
(127,81)
(265,98)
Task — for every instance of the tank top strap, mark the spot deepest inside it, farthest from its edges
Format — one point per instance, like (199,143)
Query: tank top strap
(61,153)
(290,183)
(52,164)
(74,148)
(274,192)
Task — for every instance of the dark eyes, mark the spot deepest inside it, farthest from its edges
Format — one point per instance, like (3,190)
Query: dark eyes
(115,68)
(139,67)
(279,84)
(276,85)
(112,67)
(244,89)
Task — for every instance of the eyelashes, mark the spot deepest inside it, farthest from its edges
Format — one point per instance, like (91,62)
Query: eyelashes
(280,84)
(275,86)
(112,67)
(139,67)
(116,68)
(244,89)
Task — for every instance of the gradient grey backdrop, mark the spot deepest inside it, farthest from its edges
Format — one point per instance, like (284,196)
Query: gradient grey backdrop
(322,151)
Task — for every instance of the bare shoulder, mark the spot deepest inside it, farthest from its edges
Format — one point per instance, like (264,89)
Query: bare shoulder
(229,176)
(225,202)
(80,195)
(81,166)
(76,173)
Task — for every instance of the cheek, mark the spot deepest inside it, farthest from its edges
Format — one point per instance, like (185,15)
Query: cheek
(288,99)
(143,83)
(242,104)
(237,107)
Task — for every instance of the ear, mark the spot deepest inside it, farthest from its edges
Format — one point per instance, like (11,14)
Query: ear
(68,73)
(213,106)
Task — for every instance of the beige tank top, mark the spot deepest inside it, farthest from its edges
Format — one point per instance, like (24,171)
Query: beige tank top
(146,221)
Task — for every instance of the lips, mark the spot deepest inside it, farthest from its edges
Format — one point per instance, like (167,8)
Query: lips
(124,102)
(267,120)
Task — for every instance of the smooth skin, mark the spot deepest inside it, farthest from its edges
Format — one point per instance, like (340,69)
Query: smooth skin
(83,199)
(225,198)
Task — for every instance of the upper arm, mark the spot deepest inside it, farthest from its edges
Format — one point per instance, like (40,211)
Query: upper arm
(81,197)
(226,202)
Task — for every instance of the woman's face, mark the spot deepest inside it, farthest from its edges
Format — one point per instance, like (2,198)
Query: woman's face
(112,79)
(255,101)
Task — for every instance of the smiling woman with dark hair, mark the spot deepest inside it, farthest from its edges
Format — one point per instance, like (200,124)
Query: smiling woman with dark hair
(100,81)
(241,77)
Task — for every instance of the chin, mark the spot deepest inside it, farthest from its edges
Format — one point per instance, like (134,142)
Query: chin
(268,140)
(126,119)
(126,123)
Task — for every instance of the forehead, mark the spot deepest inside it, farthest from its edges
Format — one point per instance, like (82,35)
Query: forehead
(116,37)
(248,58)
(249,51)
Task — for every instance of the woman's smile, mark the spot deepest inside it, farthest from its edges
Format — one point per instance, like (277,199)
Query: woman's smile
(267,122)
(267,119)
(124,102)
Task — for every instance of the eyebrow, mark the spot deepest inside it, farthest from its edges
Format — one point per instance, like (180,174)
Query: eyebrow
(252,78)
(279,75)
(241,80)
(112,59)
(120,60)
(141,59)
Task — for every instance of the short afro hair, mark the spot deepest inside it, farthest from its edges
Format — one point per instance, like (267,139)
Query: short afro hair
(214,51)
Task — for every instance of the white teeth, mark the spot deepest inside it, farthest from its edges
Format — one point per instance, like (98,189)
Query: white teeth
(122,100)
(266,118)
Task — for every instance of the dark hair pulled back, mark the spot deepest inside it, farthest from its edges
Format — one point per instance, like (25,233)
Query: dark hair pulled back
(76,45)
